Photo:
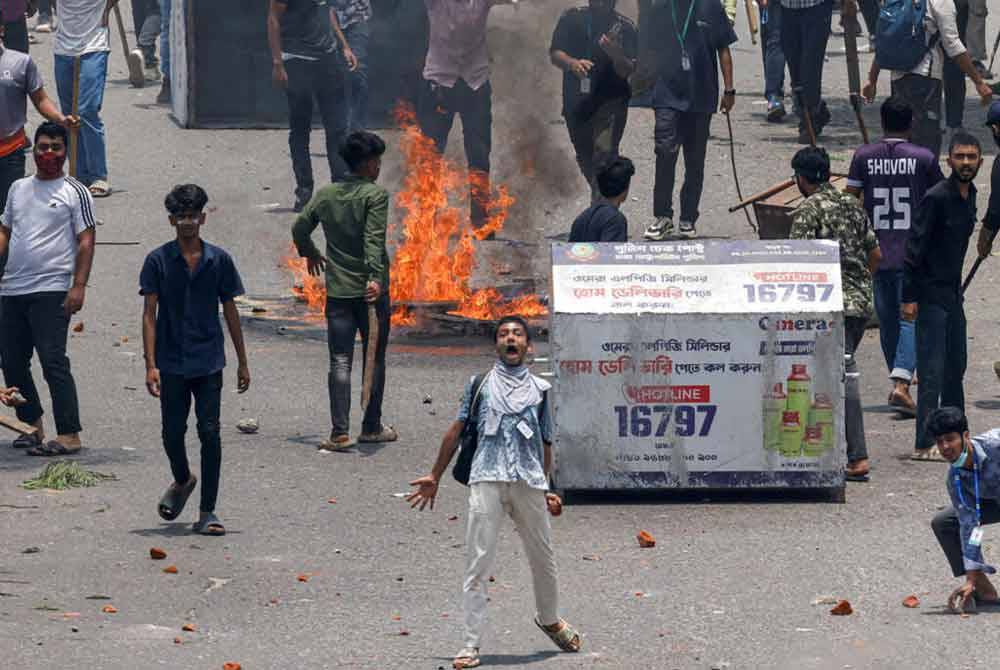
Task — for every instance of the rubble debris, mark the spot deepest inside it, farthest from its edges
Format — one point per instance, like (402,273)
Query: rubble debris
(646,540)
(843,608)
(170,569)
(78,328)
(248,426)
(912,602)
(157,554)
(109,609)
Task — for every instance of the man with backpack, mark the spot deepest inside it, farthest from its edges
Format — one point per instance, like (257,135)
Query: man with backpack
(505,432)
(917,57)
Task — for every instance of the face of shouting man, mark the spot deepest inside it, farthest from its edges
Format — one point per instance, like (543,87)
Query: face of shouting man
(965,161)
(952,446)
(512,343)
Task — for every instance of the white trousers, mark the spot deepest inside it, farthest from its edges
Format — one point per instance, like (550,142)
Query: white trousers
(975,33)
(488,501)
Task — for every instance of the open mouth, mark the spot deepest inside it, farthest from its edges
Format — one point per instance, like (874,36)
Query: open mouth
(511,349)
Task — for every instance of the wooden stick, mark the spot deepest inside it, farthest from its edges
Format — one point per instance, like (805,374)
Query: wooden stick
(369,375)
(74,133)
(777,188)
(17,426)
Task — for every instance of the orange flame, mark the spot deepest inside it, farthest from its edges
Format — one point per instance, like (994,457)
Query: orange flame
(310,290)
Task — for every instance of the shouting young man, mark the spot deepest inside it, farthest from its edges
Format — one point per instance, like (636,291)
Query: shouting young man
(932,286)
(893,175)
(974,489)
(508,408)
(47,235)
(183,283)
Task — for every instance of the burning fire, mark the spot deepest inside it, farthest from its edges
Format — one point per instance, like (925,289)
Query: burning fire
(436,258)
(310,290)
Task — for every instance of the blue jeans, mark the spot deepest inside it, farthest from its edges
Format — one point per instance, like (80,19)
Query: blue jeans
(899,340)
(357,35)
(165,38)
(942,353)
(92,162)
(770,46)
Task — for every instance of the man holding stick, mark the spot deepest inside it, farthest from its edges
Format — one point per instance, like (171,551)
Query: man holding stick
(354,215)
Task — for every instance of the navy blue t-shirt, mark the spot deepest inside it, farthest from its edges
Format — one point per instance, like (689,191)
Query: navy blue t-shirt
(189,339)
(696,89)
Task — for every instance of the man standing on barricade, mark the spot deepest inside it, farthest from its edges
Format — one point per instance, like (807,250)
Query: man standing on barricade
(892,176)
(932,286)
(829,214)
(596,48)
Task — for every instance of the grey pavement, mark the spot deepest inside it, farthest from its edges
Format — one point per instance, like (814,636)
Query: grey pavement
(730,583)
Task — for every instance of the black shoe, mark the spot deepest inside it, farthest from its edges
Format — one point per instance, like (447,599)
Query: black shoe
(302,198)
(163,97)
(821,118)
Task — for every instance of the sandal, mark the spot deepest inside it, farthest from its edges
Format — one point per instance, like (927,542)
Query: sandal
(385,434)
(53,448)
(566,638)
(467,658)
(173,501)
(338,443)
(26,441)
(928,455)
(100,189)
(209,525)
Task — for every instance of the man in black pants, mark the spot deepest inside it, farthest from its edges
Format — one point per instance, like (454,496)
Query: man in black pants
(954,78)
(183,283)
(932,286)
(48,236)
(306,64)
(805,29)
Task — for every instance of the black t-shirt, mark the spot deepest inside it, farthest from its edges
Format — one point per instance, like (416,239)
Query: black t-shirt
(577,34)
(992,219)
(306,29)
(697,88)
(600,223)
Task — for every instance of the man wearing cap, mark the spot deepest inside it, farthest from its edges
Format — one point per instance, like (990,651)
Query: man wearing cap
(829,214)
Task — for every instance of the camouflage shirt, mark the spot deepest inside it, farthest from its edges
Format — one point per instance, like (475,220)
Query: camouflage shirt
(829,214)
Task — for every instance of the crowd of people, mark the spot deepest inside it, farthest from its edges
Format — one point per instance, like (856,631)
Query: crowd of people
(902,225)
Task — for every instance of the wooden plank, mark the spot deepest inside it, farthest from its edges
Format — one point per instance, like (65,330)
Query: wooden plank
(17,426)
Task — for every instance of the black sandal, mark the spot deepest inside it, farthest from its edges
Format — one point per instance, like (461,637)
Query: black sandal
(173,501)
(26,441)
(53,448)
(209,525)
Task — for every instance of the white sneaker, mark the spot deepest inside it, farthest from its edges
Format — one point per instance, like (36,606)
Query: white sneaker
(43,28)
(687,229)
(660,229)
(152,73)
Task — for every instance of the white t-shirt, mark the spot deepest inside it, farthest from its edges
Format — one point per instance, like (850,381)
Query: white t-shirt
(79,30)
(44,218)
(941,19)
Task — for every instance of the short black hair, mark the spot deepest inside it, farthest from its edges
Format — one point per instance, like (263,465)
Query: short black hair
(944,420)
(49,129)
(185,198)
(897,115)
(359,147)
(512,318)
(963,138)
(615,176)
(813,163)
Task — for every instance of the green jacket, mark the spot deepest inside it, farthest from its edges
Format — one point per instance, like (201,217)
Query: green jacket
(354,214)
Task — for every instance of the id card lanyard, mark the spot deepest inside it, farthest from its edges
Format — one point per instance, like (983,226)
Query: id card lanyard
(682,33)
(977,535)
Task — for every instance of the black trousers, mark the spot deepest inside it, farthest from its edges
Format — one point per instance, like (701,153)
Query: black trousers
(597,138)
(804,34)
(436,115)
(942,357)
(344,318)
(37,323)
(949,536)
(146,17)
(676,131)
(11,169)
(176,393)
(16,35)
(321,81)
(923,94)
(953,77)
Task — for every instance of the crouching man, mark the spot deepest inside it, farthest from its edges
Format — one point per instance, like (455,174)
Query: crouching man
(974,487)
(508,411)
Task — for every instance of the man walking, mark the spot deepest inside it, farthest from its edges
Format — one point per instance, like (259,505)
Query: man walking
(508,413)
(183,282)
(596,48)
(892,176)
(805,30)
(15,24)
(932,281)
(147,20)
(164,96)
(974,489)
(828,214)
(695,44)
(976,36)
(82,33)
(603,221)
(921,86)
(354,17)
(774,59)
(19,81)
(457,76)
(300,34)
(48,235)
(354,215)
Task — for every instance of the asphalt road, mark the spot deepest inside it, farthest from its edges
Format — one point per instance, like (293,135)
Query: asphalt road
(730,583)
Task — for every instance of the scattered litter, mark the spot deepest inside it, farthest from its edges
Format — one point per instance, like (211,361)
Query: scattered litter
(131,388)
(592,557)
(453,517)
(124,339)
(640,594)
(46,608)
(824,600)
(912,602)
(428,400)
(399,495)
(404,632)
(843,608)
(32,550)
(303,578)
(232,666)
(248,426)
(157,554)
(804,630)
(216,583)
(332,501)
(170,569)
(98,597)
(63,475)
(128,448)
(646,540)
(177,640)
(257,309)
(109,609)
(78,328)
(188,628)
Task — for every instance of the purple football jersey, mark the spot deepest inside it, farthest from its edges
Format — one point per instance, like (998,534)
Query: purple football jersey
(894,175)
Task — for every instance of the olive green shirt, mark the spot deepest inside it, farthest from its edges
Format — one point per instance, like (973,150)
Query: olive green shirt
(354,215)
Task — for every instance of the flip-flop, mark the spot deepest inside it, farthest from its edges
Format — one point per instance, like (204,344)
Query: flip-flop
(100,189)
(173,501)
(53,448)
(566,638)
(467,658)
(209,525)
(26,441)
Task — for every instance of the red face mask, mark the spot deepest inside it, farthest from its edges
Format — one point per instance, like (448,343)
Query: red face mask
(49,164)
